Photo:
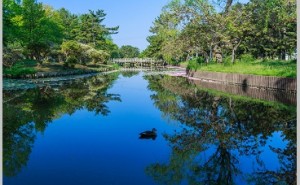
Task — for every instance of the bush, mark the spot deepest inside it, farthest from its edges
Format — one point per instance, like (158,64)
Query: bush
(227,60)
(11,56)
(247,58)
(193,65)
(200,60)
(72,48)
(70,62)
(115,66)
(27,63)
(18,70)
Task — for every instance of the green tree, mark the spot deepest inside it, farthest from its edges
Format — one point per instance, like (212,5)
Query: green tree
(274,33)
(163,43)
(70,23)
(38,30)
(92,31)
(223,28)
(11,21)
(128,51)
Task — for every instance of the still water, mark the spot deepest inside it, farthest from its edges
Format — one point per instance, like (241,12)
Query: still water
(86,131)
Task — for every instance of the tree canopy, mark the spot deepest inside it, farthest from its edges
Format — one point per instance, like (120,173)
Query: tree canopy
(223,28)
(128,51)
(36,31)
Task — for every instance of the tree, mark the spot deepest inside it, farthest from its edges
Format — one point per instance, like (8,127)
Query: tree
(163,43)
(274,32)
(221,28)
(91,30)
(238,26)
(38,30)
(128,51)
(11,21)
(70,23)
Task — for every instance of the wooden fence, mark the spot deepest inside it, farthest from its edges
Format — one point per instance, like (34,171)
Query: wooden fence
(288,84)
(263,94)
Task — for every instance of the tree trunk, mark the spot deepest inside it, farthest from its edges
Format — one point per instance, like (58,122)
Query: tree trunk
(233,51)
(283,54)
(228,4)
(233,55)
(210,52)
(187,57)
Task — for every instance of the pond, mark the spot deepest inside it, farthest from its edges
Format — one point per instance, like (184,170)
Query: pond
(86,131)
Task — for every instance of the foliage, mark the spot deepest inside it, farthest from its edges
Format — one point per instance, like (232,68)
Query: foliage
(97,55)
(128,51)
(83,52)
(92,31)
(195,63)
(115,66)
(224,29)
(71,61)
(247,58)
(192,65)
(11,56)
(36,31)
(71,48)
(19,69)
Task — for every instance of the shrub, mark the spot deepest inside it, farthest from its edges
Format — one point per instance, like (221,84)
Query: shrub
(18,70)
(71,48)
(71,61)
(11,56)
(115,66)
(200,60)
(227,60)
(97,56)
(27,63)
(247,58)
(193,64)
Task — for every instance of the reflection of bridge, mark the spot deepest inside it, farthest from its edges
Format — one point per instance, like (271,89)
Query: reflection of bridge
(138,62)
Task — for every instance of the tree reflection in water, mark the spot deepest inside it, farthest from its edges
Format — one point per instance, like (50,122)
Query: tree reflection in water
(229,127)
(27,112)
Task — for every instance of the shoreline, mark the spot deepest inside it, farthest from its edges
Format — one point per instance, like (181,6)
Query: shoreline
(244,80)
(249,81)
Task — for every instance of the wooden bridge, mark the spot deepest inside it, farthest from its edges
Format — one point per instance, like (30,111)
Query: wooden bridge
(138,62)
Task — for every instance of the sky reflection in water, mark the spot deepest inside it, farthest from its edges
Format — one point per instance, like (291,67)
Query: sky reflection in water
(89,134)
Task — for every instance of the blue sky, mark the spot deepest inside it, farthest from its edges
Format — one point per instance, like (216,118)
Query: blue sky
(133,16)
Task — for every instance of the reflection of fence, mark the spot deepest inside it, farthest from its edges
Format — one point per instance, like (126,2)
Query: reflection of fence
(289,84)
(269,95)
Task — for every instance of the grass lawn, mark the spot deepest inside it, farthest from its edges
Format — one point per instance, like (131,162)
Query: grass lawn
(257,67)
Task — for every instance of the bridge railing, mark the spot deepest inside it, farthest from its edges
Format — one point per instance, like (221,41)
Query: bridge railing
(135,60)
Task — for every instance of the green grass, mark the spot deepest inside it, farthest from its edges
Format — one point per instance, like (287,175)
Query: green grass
(183,64)
(19,69)
(256,67)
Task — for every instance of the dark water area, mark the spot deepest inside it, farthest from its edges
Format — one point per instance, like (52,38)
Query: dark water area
(86,131)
